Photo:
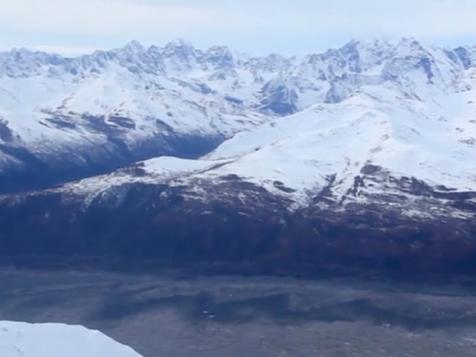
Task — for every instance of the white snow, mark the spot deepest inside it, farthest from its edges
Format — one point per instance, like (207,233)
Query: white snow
(402,136)
(428,140)
(19,339)
(408,108)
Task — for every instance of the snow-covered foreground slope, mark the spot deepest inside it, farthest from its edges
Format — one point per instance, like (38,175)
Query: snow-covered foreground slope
(18,339)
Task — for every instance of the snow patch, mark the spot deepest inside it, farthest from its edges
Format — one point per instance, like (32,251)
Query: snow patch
(19,339)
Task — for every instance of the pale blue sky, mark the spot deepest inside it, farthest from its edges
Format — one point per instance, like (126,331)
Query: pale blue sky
(294,26)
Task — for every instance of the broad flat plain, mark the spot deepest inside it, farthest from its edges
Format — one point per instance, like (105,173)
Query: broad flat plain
(175,313)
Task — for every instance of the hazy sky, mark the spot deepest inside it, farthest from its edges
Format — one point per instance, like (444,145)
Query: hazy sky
(258,26)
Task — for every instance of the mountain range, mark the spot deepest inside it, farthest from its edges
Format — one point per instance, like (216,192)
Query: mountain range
(362,155)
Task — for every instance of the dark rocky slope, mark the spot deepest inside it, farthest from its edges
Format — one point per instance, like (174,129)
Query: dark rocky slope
(239,222)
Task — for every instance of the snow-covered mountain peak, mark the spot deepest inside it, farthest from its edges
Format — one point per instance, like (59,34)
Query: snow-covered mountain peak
(134,47)
(220,57)
(132,50)
(409,44)
(180,43)
(180,49)
(364,58)
(23,62)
